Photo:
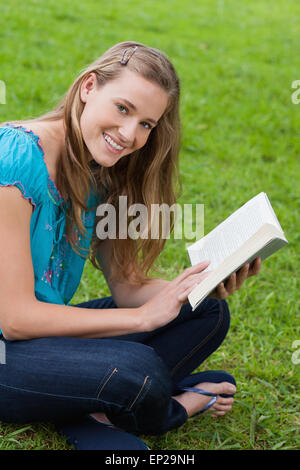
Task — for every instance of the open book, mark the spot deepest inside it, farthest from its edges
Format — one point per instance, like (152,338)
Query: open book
(250,232)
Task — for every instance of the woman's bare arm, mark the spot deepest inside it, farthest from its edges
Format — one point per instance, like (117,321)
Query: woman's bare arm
(22,316)
(127,293)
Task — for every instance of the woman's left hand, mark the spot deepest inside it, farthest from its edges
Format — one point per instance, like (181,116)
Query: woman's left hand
(235,281)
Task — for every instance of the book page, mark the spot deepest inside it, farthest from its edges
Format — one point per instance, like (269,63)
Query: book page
(233,232)
(267,240)
(276,221)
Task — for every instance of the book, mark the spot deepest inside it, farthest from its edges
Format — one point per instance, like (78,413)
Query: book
(250,232)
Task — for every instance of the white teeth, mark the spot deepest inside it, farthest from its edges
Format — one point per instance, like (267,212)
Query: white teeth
(112,143)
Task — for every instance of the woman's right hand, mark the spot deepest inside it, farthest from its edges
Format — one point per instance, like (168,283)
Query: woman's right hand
(166,305)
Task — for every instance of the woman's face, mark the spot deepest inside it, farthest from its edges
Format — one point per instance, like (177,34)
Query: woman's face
(118,117)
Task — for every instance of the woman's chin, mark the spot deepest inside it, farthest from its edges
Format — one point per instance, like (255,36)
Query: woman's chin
(106,162)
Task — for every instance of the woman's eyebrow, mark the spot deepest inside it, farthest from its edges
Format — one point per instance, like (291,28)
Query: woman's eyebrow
(131,105)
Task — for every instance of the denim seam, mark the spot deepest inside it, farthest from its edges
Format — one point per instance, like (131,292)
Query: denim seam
(106,382)
(205,340)
(139,393)
(50,395)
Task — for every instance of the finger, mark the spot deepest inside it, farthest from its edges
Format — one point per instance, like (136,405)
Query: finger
(193,279)
(221,292)
(241,276)
(255,267)
(182,297)
(191,270)
(230,285)
(196,278)
(214,294)
(191,285)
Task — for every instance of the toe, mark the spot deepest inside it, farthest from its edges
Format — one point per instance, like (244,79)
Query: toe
(226,388)
(219,407)
(219,413)
(225,401)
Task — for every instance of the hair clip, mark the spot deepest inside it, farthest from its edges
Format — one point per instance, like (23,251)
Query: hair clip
(127,54)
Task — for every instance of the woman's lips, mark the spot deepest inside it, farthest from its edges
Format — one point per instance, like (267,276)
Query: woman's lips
(110,147)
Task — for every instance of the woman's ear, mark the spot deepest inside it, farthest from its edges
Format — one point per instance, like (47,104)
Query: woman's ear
(88,85)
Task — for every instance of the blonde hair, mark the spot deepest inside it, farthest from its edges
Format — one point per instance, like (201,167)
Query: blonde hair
(149,175)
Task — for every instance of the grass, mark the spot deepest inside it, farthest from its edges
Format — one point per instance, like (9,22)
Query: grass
(236,61)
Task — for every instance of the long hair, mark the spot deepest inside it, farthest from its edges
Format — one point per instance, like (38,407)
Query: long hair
(148,176)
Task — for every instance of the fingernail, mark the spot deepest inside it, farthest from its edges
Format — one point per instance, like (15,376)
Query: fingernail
(232,389)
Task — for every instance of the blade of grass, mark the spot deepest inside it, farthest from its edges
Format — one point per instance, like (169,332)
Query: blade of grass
(253,425)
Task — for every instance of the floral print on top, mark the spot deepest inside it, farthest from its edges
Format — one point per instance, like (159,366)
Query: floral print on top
(57,267)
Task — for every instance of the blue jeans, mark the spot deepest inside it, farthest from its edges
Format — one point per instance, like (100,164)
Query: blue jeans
(131,378)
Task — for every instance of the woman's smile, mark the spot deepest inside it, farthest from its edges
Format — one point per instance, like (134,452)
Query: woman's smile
(112,145)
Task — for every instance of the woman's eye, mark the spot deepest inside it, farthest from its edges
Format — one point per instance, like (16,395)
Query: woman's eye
(121,108)
(124,110)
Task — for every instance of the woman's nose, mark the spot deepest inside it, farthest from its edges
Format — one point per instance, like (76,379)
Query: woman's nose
(128,133)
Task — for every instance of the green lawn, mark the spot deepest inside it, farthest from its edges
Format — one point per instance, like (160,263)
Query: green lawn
(236,61)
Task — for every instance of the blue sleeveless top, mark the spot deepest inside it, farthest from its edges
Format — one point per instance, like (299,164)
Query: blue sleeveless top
(57,267)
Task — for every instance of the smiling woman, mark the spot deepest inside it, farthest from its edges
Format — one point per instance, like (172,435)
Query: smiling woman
(122,127)
(118,128)
(124,359)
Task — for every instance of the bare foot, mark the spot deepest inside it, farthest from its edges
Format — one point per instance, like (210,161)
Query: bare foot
(193,402)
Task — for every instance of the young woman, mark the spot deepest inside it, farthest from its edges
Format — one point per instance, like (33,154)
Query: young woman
(121,364)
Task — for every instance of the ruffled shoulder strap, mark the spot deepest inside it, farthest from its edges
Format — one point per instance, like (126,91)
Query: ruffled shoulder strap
(22,164)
